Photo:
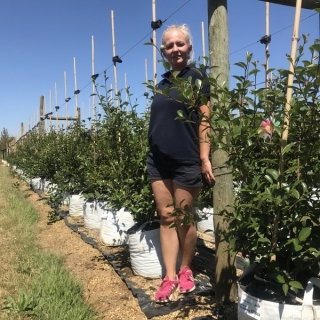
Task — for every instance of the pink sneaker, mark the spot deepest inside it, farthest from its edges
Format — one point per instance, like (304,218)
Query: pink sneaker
(186,280)
(167,288)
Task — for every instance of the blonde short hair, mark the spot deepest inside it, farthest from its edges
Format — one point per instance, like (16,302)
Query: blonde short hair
(184,28)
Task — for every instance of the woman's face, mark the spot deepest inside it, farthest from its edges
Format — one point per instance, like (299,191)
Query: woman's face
(176,50)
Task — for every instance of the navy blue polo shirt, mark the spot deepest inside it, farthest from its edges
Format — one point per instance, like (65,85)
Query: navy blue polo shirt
(173,141)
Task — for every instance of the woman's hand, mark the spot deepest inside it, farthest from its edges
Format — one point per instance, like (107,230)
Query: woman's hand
(206,170)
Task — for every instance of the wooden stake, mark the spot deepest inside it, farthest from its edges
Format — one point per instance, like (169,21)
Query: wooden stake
(146,72)
(41,122)
(126,86)
(267,44)
(154,38)
(114,54)
(56,95)
(291,68)
(50,97)
(203,43)
(93,86)
(65,97)
(75,84)
(286,114)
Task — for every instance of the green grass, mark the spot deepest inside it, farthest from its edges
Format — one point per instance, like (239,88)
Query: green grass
(39,286)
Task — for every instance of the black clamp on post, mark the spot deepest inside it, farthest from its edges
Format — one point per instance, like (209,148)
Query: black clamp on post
(265,39)
(116,59)
(156,24)
(94,76)
(57,108)
(77,91)
(67,99)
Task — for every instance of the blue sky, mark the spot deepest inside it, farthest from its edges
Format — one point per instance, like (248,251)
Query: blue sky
(40,39)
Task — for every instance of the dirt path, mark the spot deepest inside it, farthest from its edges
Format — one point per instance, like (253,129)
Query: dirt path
(102,285)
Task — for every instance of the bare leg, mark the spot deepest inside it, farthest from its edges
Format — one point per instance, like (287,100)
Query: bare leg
(188,233)
(163,194)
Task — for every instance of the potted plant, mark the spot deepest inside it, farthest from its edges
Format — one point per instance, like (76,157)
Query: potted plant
(276,211)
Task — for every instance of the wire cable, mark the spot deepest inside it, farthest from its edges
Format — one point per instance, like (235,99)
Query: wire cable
(249,45)
(138,42)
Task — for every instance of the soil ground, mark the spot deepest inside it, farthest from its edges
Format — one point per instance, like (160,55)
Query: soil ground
(103,287)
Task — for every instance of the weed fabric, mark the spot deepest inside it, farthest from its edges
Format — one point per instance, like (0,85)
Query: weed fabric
(147,305)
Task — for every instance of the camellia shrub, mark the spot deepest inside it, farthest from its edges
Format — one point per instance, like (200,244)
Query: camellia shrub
(276,212)
(106,162)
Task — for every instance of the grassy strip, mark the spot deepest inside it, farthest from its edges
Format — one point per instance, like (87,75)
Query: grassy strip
(37,283)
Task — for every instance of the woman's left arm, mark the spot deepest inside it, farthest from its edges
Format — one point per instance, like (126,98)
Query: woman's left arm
(204,141)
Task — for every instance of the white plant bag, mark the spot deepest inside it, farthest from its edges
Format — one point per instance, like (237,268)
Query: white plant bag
(206,223)
(114,227)
(76,205)
(50,187)
(91,215)
(145,253)
(35,183)
(250,307)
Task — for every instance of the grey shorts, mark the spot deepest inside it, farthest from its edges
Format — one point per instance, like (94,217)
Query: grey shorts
(185,175)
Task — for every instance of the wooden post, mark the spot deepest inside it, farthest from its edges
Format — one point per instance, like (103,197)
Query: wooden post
(225,276)
(41,122)
(226,290)
(219,39)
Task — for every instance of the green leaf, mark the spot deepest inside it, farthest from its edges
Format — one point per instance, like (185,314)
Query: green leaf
(264,240)
(304,234)
(315,47)
(285,288)
(273,173)
(296,245)
(295,193)
(180,114)
(295,284)
(241,65)
(287,148)
(280,278)
(268,178)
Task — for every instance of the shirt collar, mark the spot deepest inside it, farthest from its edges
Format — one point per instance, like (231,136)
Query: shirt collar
(182,72)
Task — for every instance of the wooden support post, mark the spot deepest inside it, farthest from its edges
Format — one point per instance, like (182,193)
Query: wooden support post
(223,190)
(226,290)
(41,122)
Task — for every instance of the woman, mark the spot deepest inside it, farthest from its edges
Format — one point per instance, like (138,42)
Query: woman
(179,156)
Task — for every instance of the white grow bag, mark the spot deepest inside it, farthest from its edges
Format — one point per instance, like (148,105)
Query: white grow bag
(114,227)
(250,307)
(76,205)
(206,223)
(35,183)
(91,215)
(50,187)
(145,252)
